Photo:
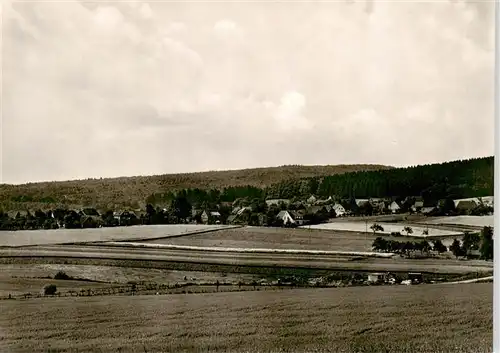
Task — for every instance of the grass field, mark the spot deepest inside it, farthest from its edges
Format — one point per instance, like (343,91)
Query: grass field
(476,221)
(280,238)
(427,318)
(65,236)
(120,275)
(388,228)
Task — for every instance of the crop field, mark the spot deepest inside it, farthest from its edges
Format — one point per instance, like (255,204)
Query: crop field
(388,228)
(417,319)
(65,236)
(18,286)
(117,275)
(279,238)
(477,221)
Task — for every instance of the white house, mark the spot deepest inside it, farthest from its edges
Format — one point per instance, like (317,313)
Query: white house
(469,202)
(286,217)
(394,207)
(339,210)
(311,200)
(487,200)
(362,202)
(277,202)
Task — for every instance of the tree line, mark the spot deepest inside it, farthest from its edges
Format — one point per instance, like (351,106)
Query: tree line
(454,180)
(482,242)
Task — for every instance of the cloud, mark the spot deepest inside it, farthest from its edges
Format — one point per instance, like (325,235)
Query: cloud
(289,114)
(227,29)
(133,88)
(145,11)
(224,26)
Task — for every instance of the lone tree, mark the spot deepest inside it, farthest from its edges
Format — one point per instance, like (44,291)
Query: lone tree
(50,289)
(438,246)
(376,228)
(456,248)
(470,242)
(408,230)
(486,248)
(380,244)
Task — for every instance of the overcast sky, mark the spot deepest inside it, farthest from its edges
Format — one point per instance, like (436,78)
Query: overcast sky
(136,88)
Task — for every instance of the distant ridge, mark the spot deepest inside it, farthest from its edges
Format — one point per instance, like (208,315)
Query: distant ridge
(133,191)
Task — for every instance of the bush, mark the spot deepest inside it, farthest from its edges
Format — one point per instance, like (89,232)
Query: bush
(50,289)
(62,275)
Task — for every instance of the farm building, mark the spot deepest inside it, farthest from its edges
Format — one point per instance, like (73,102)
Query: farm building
(466,204)
(286,217)
(339,210)
(427,210)
(376,277)
(415,277)
(210,217)
(325,201)
(487,200)
(417,206)
(311,200)
(361,202)
(394,207)
(125,217)
(237,212)
(277,202)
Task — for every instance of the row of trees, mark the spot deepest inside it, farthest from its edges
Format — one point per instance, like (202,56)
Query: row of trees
(471,242)
(402,247)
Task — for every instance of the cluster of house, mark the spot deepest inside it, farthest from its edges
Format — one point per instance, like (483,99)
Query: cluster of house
(388,278)
(379,206)
(290,212)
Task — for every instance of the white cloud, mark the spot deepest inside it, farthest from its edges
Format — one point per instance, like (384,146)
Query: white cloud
(145,11)
(289,114)
(224,26)
(245,85)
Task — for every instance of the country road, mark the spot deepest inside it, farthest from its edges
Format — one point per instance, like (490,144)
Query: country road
(331,262)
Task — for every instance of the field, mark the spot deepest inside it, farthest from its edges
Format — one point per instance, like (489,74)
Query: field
(65,236)
(388,228)
(116,274)
(279,238)
(477,221)
(427,318)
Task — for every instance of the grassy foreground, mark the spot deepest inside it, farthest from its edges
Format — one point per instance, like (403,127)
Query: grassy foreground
(427,318)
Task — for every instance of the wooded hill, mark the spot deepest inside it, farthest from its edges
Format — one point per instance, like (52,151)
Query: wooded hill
(117,193)
(455,180)
(450,180)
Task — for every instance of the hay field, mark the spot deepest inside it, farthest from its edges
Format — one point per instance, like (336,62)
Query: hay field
(476,221)
(279,238)
(388,228)
(65,236)
(417,319)
(118,274)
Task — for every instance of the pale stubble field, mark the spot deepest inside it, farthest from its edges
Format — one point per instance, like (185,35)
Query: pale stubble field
(426,318)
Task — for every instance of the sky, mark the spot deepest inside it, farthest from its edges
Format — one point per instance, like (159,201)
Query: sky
(108,89)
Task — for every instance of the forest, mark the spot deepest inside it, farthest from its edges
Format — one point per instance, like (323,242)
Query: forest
(433,182)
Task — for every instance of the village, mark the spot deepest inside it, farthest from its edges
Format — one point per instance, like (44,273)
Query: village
(269,212)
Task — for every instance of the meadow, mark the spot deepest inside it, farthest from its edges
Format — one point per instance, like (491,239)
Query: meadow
(402,319)
(67,236)
(279,238)
(388,228)
(477,221)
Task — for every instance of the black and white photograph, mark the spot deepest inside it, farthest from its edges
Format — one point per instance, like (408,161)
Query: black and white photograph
(247,176)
